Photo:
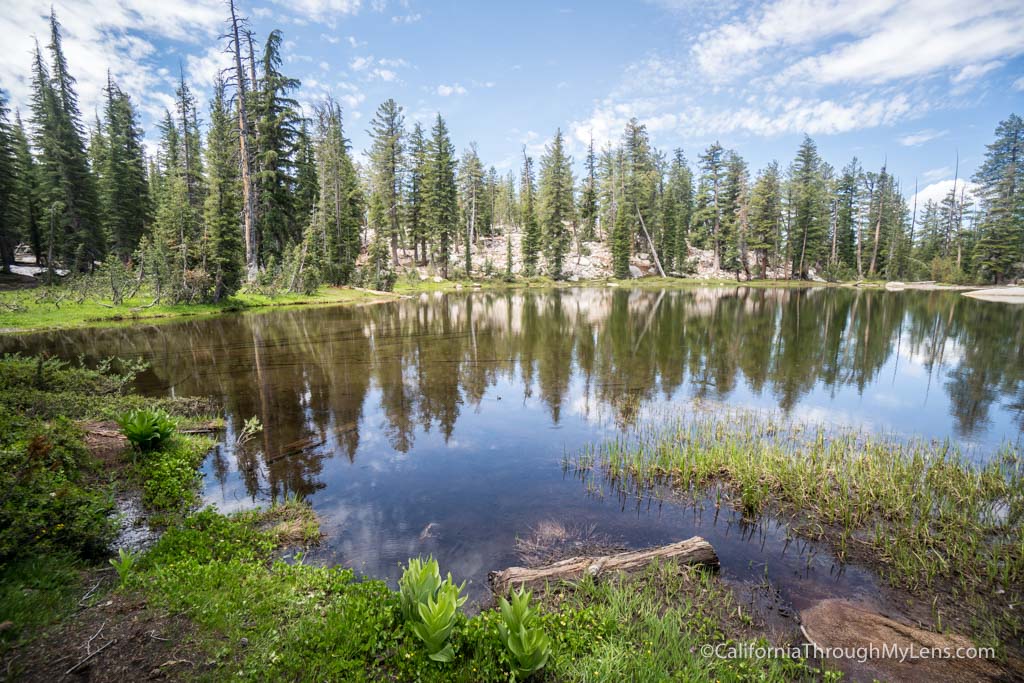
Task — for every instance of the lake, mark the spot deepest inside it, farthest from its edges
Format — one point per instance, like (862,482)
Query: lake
(439,424)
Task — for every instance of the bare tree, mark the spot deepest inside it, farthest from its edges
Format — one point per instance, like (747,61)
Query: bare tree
(245,152)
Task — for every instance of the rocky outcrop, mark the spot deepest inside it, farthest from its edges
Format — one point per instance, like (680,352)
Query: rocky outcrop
(875,647)
(590,261)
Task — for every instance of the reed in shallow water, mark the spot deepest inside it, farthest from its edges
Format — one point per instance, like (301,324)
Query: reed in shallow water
(924,515)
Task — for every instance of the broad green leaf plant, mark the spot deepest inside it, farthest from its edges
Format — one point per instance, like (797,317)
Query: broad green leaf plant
(431,606)
(147,429)
(522,635)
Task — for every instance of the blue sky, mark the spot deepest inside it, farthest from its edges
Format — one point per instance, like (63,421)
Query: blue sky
(910,82)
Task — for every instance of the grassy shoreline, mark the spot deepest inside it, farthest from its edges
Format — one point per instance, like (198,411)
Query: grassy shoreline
(918,513)
(21,312)
(40,309)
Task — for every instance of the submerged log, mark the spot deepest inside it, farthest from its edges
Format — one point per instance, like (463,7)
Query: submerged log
(692,551)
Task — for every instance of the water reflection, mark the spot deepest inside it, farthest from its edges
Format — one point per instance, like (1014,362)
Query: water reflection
(454,411)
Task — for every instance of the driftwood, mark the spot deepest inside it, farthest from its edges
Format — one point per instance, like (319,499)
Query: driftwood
(694,551)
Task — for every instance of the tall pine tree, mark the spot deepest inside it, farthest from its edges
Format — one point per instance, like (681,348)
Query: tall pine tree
(556,203)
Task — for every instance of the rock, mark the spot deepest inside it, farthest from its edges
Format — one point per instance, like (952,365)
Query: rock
(458,285)
(1006,295)
(895,286)
(837,624)
(438,278)
(574,278)
(635,272)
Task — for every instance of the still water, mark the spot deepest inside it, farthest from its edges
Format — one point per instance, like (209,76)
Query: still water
(439,424)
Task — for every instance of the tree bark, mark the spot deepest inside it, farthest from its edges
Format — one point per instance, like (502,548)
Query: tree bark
(245,154)
(650,243)
(692,551)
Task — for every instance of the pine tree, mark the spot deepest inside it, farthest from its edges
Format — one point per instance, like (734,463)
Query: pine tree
(191,149)
(414,202)
(847,209)
(67,188)
(766,215)
(809,231)
(588,197)
(9,219)
(734,203)
(25,200)
(622,240)
(177,223)
(223,205)
(530,242)
(471,195)
(556,203)
(123,187)
(708,213)
(640,184)
(334,229)
(277,122)
(387,130)
(306,186)
(1000,248)
(677,223)
(442,207)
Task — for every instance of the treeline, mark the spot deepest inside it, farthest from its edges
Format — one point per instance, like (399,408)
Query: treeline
(260,194)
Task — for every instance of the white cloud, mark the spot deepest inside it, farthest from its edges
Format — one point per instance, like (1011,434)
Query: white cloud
(447,90)
(770,117)
(351,96)
(371,68)
(360,63)
(321,10)
(973,72)
(406,18)
(921,137)
(938,191)
(1019,84)
(99,35)
(386,75)
(956,35)
(876,41)
(936,173)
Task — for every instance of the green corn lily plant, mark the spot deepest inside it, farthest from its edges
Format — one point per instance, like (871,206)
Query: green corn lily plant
(124,563)
(430,605)
(420,581)
(438,616)
(529,645)
(147,429)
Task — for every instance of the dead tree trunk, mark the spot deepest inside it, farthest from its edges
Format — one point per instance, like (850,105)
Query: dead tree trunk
(245,154)
(692,551)
(650,243)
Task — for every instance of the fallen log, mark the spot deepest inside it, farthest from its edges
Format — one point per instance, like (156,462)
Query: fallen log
(692,551)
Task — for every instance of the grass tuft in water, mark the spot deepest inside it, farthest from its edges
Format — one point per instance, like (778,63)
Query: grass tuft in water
(928,518)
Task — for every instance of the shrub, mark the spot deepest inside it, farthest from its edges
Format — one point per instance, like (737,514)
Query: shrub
(46,503)
(147,429)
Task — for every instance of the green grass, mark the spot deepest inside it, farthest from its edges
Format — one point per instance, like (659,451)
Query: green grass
(35,592)
(34,309)
(919,512)
(321,623)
